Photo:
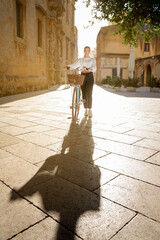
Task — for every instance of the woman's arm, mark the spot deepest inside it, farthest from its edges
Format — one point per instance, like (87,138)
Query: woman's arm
(74,65)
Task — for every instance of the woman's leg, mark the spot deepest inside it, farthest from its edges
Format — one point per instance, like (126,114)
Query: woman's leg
(83,87)
(89,90)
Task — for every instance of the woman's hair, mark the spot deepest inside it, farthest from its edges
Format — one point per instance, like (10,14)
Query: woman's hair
(87,47)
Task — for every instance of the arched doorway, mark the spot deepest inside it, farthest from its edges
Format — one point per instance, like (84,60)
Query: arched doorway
(149,73)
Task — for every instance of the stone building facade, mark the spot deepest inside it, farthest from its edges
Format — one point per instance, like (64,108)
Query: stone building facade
(147,62)
(113,56)
(37,39)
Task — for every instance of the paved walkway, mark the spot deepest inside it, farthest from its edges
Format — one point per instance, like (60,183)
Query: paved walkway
(97,179)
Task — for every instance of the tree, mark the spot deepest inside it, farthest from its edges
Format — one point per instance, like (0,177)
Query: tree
(134,17)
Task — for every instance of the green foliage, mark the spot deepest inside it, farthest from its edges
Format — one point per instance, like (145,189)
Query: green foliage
(118,82)
(115,81)
(107,80)
(134,18)
(153,82)
(132,82)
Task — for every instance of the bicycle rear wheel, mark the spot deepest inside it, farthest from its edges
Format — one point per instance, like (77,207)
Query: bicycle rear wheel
(75,103)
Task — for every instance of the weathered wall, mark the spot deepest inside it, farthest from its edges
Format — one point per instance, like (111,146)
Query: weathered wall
(22,62)
(25,64)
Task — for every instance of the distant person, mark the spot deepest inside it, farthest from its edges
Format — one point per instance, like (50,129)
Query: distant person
(87,66)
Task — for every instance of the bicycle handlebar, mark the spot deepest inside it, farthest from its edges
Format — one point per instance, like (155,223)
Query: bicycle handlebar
(77,69)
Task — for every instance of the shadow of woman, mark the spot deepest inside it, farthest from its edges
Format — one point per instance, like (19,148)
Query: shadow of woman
(66,184)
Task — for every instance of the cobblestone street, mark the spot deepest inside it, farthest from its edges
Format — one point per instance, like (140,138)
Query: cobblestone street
(97,179)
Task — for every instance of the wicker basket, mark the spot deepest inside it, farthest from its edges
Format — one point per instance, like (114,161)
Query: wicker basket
(75,79)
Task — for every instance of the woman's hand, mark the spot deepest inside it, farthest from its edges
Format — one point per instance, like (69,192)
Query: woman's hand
(87,70)
(66,67)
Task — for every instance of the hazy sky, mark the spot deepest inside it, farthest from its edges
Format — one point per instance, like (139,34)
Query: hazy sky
(86,36)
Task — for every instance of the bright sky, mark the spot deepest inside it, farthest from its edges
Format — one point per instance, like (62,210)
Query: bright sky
(86,37)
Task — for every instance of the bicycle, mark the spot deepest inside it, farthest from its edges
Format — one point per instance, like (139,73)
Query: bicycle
(76,80)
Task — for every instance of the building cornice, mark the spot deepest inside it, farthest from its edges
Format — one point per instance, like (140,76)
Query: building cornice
(151,57)
(115,54)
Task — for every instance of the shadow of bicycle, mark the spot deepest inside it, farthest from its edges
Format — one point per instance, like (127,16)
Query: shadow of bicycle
(67,184)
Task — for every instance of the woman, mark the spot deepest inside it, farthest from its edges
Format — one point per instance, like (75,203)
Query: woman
(88,66)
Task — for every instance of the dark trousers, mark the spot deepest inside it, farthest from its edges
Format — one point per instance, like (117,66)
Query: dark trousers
(87,89)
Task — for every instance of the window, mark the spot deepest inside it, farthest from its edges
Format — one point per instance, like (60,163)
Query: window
(19,19)
(39,33)
(114,72)
(121,73)
(146,47)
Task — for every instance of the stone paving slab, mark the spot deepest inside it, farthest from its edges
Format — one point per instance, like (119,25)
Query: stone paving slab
(87,154)
(116,137)
(136,195)
(58,133)
(15,215)
(149,143)
(39,128)
(142,127)
(125,149)
(133,168)
(86,175)
(16,122)
(120,129)
(35,115)
(144,134)
(13,166)
(57,147)
(155,159)
(48,229)
(6,140)
(4,154)
(6,120)
(56,124)
(140,228)
(13,130)
(29,152)
(40,139)
(24,117)
(81,152)
(2,124)
(155,124)
(54,197)
(56,118)
(46,122)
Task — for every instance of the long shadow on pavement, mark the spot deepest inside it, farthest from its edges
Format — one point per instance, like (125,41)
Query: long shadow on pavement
(20,96)
(67,194)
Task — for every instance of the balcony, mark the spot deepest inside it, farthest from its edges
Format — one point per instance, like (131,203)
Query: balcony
(56,6)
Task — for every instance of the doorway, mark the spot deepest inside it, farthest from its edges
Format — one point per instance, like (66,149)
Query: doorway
(149,74)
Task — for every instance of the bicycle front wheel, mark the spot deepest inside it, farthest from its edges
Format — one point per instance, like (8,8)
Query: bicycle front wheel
(75,103)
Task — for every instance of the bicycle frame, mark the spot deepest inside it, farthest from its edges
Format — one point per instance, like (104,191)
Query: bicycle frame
(76,99)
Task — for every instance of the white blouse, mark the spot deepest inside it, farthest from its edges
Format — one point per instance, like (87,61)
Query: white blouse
(84,62)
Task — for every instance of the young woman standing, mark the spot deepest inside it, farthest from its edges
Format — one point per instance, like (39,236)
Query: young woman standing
(88,66)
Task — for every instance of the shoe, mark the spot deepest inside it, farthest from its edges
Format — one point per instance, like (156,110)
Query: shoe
(90,113)
(86,112)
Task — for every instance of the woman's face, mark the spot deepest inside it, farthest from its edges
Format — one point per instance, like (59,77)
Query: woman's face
(86,52)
